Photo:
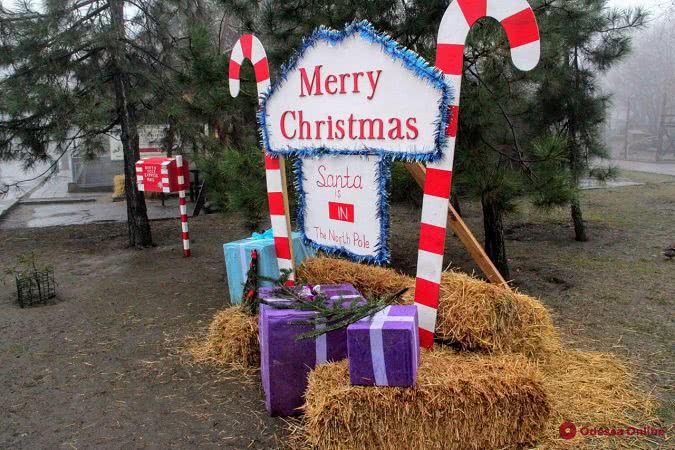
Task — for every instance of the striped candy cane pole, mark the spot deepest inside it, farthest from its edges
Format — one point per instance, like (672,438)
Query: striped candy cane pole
(182,205)
(249,47)
(520,24)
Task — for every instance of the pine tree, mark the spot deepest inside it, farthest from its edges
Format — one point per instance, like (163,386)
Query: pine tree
(583,39)
(77,69)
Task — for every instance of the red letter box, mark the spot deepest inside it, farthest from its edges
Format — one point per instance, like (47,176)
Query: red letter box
(161,175)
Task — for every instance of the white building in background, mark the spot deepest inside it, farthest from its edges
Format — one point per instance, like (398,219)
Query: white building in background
(97,174)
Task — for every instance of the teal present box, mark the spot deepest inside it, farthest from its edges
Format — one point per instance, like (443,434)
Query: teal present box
(238,259)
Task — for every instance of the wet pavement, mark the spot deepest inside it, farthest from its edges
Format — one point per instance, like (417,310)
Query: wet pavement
(650,167)
(48,203)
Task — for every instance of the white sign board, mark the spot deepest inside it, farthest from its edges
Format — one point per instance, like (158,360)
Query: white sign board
(348,96)
(340,208)
(347,104)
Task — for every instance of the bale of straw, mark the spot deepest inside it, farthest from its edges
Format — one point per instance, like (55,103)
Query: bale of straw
(462,401)
(369,280)
(595,390)
(118,186)
(480,316)
(232,340)
(472,314)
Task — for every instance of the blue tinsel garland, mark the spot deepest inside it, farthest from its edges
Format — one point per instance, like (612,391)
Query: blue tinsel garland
(410,59)
(382,249)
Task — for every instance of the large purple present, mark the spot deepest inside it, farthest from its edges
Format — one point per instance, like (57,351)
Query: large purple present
(384,349)
(285,362)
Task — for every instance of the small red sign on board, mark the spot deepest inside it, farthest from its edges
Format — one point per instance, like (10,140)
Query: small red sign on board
(343,212)
(161,175)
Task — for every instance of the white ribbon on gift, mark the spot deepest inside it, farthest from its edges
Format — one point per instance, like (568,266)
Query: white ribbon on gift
(377,345)
(321,345)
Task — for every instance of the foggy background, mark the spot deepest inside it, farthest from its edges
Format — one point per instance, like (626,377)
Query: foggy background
(641,122)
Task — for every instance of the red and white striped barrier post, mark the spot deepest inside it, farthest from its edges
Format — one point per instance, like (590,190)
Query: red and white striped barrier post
(520,24)
(249,47)
(183,205)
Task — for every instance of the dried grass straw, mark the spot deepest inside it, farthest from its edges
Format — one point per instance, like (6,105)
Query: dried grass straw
(472,314)
(595,390)
(462,401)
(232,340)
(517,386)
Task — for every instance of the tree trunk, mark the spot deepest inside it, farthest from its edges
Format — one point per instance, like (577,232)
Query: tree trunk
(493,225)
(576,165)
(578,220)
(137,215)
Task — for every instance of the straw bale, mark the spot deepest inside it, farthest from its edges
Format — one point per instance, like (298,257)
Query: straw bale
(118,186)
(472,314)
(232,340)
(369,280)
(462,401)
(596,390)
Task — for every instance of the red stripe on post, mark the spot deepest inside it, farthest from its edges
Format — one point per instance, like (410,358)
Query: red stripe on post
(247,45)
(276,203)
(282,248)
(453,121)
(272,163)
(182,201)
(438,182)
(426,338)
(450,58)
(262,70)
(186,236)
(186,253)
(473,9)
(426,292)
(234,70)
(432,239)
(521,28)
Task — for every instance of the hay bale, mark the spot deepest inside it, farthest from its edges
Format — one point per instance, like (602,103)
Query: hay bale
(480,316)
(472,314)
(232,340)
(118,186)
(462,401)
(595,390)
(369,280)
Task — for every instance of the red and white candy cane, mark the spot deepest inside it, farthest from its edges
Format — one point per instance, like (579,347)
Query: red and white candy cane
(182,204)
(249,47)
(520,24)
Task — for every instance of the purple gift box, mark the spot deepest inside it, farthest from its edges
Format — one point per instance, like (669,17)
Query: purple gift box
(384,349)
(286,361)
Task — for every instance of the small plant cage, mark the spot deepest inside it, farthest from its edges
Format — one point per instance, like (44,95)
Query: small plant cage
(35,286)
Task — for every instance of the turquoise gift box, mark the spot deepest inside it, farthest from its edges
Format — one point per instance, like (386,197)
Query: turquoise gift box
(238,259)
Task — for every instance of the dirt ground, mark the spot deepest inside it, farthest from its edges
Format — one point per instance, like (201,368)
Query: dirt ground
(102,367)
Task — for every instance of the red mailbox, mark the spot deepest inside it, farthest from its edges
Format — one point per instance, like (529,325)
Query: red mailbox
(161,175)
(167,175)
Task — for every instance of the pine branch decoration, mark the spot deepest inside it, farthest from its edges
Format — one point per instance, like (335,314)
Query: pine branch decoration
(330,314)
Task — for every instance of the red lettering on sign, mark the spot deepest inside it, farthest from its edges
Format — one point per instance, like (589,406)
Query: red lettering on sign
(343,212)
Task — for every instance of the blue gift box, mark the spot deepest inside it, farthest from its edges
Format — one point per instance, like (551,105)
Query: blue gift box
(238,259)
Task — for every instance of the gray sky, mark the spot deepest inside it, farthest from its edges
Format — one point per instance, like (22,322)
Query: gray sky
(656,5)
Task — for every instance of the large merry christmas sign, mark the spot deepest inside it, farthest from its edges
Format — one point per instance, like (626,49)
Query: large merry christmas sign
(347,104)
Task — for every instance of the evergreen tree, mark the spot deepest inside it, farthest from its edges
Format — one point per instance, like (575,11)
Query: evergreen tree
(68,82)
(582,40)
